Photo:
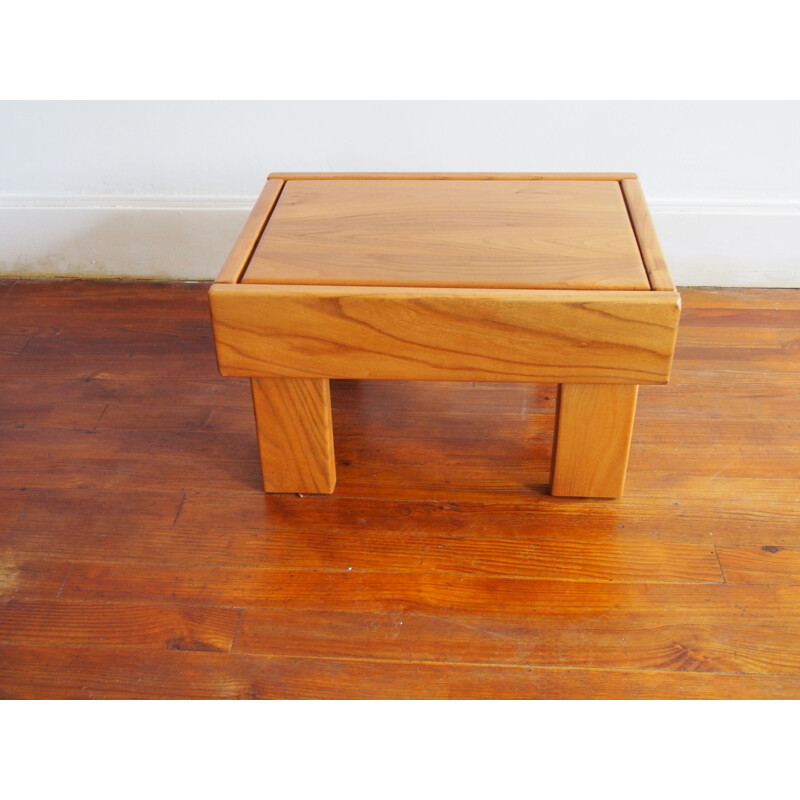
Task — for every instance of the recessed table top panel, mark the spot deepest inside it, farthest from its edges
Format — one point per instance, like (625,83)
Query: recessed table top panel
(527,234)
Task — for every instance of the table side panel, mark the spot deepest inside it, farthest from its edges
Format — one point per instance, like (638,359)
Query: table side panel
(571,336)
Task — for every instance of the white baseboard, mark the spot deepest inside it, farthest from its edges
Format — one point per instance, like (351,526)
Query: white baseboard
(139,239)
(705,243)
(730,244)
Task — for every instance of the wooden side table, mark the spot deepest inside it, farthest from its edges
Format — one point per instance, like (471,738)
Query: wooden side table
(465,277)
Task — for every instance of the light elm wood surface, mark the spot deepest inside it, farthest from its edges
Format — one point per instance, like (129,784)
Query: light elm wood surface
(295,434)
(440,334)
(453,278)
(239,257)
(551,234)
(592,440)
(652,254)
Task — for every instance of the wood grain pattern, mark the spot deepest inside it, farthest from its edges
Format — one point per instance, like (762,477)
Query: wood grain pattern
(442,567)
(295,435)
(514,468)
(88,624)
(19,412)
(727,511)
(442,334)
(111,511)
(521,640)
(453,234)
(455,176)
(690,335)
(594,425)
(132,394)
(742,360)
(768,564)
(642,222)
(432,593)
(752,302)
(115,368)
(12,344)
(789,338)
(110,673)
(621,558)
(257,530)
(239,257)
(25,577)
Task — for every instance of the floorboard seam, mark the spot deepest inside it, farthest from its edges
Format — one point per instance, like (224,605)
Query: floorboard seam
(102,414)
(64,582)
(411,663)
(722,571)
(236,631)
(180,508)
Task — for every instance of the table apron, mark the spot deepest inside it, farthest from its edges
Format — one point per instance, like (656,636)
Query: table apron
(509,335)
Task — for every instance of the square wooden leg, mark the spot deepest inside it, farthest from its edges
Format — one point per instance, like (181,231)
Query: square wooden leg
(295,434)
(594,423)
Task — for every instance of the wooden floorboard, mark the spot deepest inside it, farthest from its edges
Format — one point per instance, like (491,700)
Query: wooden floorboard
(167,627)
(111,673)
(520,640)
(626,558)
(351,590)
(140,558)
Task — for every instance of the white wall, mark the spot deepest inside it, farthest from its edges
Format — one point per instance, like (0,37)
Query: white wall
(161,188)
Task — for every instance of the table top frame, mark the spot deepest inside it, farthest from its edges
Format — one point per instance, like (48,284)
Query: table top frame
(607,336)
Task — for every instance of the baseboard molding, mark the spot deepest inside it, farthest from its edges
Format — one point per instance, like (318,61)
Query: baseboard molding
(706,243)
(186,240)
(730,244)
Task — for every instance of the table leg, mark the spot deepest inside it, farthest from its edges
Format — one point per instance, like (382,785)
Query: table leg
(295,434)
(592,439)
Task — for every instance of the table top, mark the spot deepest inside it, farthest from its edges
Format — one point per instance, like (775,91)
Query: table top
(543,234)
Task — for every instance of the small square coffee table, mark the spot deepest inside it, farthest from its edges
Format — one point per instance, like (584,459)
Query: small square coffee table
(553,278)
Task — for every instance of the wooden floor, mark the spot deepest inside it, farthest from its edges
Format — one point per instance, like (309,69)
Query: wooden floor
(139,557)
